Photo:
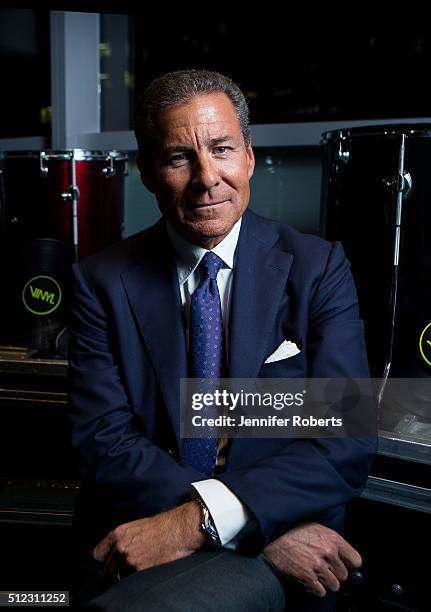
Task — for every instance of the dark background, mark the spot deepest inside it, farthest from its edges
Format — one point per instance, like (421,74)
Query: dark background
(290,72)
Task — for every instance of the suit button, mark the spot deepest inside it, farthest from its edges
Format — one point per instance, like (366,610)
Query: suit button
(172,452)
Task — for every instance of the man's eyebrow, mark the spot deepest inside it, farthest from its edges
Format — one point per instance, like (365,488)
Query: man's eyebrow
(179,147)
(215,141)
(174,148)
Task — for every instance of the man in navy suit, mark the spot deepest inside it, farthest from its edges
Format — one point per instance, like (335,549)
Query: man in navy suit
(172,534)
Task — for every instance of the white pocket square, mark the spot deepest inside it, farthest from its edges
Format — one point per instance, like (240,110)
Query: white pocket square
(285,350)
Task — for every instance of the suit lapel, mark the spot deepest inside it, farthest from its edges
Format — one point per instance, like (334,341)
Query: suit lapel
(154,295)
(261,274)
(260,278)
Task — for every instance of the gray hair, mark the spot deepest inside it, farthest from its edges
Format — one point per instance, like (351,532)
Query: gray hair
(179,87)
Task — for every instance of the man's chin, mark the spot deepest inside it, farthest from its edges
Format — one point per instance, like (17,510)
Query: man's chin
(204,233)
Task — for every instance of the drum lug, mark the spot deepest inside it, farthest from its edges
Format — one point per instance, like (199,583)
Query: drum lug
(42,168)
(109,170)
(400,184)
(343,152)
(72,194)
(407,184)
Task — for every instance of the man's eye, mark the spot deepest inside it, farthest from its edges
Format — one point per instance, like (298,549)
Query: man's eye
(178,157)
(221,149)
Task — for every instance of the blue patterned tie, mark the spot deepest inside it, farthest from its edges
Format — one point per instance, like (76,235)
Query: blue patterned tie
(206,353)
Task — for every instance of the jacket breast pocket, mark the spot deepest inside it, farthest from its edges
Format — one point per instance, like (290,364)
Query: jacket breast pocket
(292,367)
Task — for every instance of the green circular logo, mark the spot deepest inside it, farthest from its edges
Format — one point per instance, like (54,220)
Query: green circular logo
(425,344)
(41,295)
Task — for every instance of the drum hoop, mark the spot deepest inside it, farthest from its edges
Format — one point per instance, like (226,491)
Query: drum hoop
(378,131)
(66,155)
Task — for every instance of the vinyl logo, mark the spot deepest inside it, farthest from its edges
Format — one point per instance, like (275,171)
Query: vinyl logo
(425,344)
(41,295)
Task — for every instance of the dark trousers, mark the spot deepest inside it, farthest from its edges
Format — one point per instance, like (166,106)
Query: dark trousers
(214,581)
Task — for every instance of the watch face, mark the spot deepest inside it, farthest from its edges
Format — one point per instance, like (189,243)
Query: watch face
(208,526)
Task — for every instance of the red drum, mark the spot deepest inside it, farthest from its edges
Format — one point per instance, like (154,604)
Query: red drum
(76,197)
(56,207)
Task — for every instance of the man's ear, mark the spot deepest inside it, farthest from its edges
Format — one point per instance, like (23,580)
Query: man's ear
(145,171)
(250,159)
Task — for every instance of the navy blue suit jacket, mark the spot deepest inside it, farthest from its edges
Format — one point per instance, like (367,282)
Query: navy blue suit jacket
(128,354)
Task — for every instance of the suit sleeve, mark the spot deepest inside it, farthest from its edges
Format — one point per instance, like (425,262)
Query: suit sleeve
(310,476)
(133,476)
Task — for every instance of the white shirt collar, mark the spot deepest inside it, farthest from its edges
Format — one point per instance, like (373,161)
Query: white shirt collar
(189,255)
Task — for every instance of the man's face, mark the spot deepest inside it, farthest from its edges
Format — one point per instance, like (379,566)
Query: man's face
(201,171)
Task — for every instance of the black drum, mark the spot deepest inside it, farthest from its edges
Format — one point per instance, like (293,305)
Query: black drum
(376,192)
(55,208)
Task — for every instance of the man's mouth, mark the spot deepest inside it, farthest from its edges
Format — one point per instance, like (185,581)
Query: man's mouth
(208,204)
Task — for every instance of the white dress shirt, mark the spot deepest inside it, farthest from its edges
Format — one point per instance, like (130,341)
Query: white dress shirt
(228,513)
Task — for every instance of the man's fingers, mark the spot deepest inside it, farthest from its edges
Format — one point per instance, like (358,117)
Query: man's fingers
(315,588)
(102,550)
(338,569)
(112,564)
(349,555)
(328,579)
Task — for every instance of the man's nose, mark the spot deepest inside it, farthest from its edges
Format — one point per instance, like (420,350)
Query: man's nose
(206,173)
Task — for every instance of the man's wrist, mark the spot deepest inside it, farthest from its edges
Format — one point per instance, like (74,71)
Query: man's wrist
(193,519)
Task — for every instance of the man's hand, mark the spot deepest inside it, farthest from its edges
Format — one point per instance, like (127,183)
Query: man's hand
(315,555)
(152,541)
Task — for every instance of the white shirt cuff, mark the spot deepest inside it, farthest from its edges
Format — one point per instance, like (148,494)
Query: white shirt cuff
(227,511)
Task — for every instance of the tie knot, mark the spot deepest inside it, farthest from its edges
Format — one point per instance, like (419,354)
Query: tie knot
(210,265)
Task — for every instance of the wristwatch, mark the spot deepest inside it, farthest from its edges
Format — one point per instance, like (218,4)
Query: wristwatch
(207,524)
